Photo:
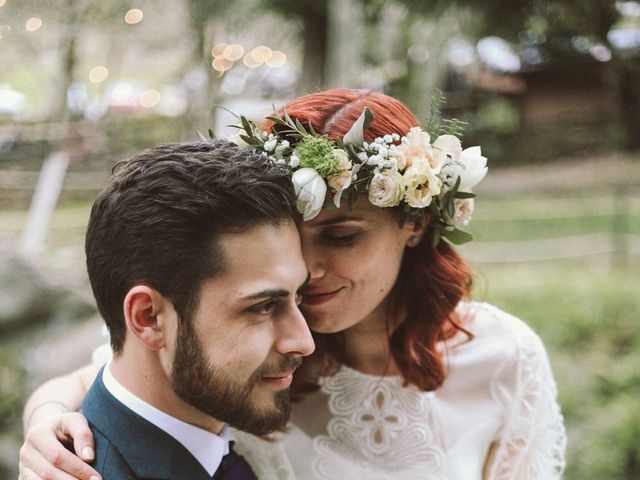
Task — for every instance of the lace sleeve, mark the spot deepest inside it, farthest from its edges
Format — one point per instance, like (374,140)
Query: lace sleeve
(532,443)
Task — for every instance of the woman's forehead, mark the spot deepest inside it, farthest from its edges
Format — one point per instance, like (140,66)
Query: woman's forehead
(361,211)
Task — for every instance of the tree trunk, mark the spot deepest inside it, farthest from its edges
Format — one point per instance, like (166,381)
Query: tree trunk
(314,35)
(629,95)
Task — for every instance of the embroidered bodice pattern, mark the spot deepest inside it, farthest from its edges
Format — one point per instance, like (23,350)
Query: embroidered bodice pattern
(377,422)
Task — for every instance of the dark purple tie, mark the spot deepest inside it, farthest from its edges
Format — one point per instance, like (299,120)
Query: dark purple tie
(234,467)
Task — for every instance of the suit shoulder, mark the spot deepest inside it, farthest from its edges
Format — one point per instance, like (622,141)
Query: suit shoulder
(108,462)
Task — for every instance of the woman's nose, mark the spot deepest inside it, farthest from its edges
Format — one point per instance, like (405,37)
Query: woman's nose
(314,260)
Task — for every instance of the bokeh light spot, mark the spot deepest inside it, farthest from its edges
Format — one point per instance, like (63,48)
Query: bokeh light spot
(233,52)
(277,59)
(218,49)
(250,61)
(221,64)
(150,98)
(33,24)
(98,74)
(133,16)
(261,53)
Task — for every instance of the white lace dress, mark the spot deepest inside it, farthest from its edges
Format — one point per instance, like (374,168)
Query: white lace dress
(499,391)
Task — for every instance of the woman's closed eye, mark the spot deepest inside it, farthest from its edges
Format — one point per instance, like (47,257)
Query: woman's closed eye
(341,239)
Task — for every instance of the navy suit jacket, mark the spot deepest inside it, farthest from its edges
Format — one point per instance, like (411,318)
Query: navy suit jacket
(129,447)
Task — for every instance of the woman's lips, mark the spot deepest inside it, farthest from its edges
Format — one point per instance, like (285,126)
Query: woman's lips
(312,297)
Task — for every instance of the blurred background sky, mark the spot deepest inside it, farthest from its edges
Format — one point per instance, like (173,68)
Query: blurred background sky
(550,90)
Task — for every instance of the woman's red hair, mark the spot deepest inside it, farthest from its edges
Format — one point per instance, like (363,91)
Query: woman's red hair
(431,282)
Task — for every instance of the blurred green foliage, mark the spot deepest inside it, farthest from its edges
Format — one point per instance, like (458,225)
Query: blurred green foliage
(12,388)
(589,323)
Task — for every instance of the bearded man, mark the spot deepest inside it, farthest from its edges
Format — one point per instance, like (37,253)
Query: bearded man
(195,263)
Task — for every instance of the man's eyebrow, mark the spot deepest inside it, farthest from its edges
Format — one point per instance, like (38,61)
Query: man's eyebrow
(275,292)
(268,293)
(341,219)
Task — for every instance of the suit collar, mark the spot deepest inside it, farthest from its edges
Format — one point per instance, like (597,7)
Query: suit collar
(148,450)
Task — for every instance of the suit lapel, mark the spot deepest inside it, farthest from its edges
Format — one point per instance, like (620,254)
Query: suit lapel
(149,451)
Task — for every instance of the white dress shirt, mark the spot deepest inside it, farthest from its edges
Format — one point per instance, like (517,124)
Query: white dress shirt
(208,448)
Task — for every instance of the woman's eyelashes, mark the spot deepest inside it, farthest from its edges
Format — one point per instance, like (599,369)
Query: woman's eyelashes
(341,239)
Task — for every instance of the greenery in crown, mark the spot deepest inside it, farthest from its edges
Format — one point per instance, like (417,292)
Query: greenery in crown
(409,172)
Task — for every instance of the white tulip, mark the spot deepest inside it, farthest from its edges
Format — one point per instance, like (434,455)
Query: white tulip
(446,148)
(475,168)
(310,191)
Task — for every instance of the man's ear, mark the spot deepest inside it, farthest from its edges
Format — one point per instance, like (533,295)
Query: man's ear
(142,304)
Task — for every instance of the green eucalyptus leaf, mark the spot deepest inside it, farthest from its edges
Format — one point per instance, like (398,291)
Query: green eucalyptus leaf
(456,185)
(254,142)
(227,110)
(246,125)
(456,235)
(451,209)
(300,127)
(464,195)
(279,121)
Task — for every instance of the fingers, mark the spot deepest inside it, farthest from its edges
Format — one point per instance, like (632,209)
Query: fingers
(76,427)
(43,456)
(32,462)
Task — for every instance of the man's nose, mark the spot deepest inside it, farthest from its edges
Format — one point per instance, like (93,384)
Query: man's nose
(294,335)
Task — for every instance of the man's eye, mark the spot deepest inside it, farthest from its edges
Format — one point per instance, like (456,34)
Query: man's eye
(265,308)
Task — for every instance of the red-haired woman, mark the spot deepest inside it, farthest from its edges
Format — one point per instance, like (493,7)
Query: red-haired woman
(410,379)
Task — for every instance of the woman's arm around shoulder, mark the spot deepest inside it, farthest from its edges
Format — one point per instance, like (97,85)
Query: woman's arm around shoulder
(50,419)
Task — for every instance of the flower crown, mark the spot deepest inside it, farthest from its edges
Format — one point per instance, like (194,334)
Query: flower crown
(410,171)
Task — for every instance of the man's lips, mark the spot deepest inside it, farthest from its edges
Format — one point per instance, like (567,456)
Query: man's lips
(279,380)
(317,297)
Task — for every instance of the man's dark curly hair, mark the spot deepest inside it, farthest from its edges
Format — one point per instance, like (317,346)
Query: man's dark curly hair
(158,220)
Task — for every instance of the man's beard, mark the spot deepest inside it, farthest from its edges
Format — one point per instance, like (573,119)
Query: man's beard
(215,393)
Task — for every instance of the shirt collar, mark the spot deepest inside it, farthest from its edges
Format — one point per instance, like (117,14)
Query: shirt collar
(208,448)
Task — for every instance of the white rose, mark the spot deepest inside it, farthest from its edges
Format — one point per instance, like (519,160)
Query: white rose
(386,188)
(415,144)
(310,190)
(421,185)
(475,168)
(340,180)
(463,210)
